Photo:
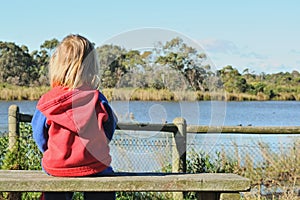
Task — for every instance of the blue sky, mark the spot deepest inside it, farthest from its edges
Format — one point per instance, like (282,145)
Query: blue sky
(263,36)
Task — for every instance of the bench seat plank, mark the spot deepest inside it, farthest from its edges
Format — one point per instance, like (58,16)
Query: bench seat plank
(36,181)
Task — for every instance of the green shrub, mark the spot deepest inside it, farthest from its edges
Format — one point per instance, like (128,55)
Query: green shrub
(25,156)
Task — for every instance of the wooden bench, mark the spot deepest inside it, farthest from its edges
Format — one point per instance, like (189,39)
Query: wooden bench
(209,186)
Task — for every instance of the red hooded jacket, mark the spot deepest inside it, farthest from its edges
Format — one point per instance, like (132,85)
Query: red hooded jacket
(73,128)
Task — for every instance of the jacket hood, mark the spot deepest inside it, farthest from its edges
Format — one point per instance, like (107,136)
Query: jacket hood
(71,109)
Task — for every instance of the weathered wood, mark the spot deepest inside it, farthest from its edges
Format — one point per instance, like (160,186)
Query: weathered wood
(13,133)
(13,125)
(37,181)
(179,146)
(179,151)
(245,129)
(25,117)
(124,126)
(147,127)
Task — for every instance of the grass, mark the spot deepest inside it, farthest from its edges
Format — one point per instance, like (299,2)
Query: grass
(10,92)
(277,171)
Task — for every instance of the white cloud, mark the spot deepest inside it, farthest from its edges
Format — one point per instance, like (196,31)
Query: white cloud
(224,52)
(294,51)
(219,46)
(253,55)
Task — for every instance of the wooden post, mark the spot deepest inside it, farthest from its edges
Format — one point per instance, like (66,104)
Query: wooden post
(13,125)
(179,151)
(179,146)
(13,134)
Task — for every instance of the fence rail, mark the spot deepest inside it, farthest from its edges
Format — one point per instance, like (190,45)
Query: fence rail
(244,129)
(170,127)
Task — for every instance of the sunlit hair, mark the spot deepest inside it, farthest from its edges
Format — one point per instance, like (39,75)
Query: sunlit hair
(74,63)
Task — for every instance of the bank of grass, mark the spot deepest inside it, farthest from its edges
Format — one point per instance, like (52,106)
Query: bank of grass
(151,94)
(12,92)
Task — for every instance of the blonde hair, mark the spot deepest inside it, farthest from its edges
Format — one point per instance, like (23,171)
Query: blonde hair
(74,63)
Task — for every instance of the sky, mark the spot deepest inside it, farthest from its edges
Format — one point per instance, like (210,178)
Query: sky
(259,35)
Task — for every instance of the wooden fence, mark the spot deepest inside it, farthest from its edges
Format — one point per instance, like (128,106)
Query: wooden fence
(179,128)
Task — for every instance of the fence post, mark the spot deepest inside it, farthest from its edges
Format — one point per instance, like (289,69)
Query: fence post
(179,146)
(13,134)
(13,125)
(179,151)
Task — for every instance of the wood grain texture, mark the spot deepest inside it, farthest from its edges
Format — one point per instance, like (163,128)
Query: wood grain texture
(26,180)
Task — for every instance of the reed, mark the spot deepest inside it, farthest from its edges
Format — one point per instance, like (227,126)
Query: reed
(262,97)
(286,97)
(276,171)
(12,92)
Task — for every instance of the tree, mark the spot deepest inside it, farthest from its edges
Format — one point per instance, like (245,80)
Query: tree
(232,79)
(119,67)
(49,45)
(42,58)
(187,61)
(16,65)
(130,67)
(109,57)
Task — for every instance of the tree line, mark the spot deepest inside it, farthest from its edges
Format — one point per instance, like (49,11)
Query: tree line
(172,65)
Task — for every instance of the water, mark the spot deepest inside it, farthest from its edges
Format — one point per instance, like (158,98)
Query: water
(26,107)
(258,113)
(254,113)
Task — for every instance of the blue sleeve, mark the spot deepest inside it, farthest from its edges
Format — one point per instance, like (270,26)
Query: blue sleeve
(40,130)
(111,124)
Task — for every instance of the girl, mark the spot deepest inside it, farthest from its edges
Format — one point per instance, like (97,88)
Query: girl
(73,122)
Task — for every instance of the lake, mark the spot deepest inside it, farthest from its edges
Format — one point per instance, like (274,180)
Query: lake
(254,113)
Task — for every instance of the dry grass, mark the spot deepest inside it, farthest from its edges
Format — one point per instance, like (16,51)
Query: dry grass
(277,171)
(9,93)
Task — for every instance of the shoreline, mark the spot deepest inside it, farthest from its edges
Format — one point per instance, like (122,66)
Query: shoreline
(20,93)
